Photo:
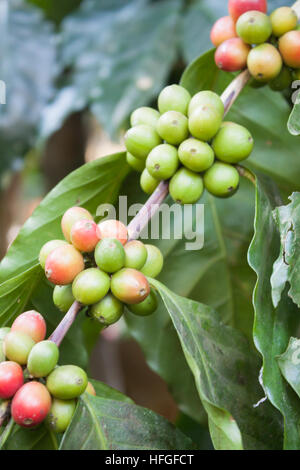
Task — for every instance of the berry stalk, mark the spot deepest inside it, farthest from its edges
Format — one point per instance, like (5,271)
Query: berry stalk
(66,323)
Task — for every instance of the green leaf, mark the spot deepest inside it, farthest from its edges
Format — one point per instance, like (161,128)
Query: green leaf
(289,364)
(105,391)
(54,10)
(104,424)
(31,439)
(273,326)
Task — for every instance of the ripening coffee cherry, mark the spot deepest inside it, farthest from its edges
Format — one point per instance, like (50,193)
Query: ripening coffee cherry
(61,414)
(233,144)
(148,183)
(283,20)
(144,115)
(130,286)
(147,307)
(254,27)
(282,81)
(63,297)
(206,98)
(71,216)
(3,332)
(42,359)
(135,163)
(113,229)
(196,155)
(223,29)
(11,379)
(232,54)
(108,311)
(135,254)
(140,140)
(31,323)
(264,62)
(186,186)
(63,265)
(289,46)
(154,262)
(237,7)
(162,162)
(172,126)
(67,382)
(48,248)
(17,346)
(110,255)
(174,98)
(84,235)
(90,389)
(221,180)
(205,122)
(90,286)
(31,404)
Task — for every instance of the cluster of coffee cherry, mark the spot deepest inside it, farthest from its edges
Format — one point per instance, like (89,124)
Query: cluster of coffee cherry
(268,45)
(97,266)
(187,142)
(38,388)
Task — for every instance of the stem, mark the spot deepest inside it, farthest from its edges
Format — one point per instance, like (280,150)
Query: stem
(246,174)
(6,433)
(4,411)
(233,90)
(66,323)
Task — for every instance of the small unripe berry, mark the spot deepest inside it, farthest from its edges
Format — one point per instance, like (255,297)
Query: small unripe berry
(42,358)
(60,415)
(237,7)
(196,155)
(130,286)
(232,54)
(223,29)
(205,122)
(135,254)
(31,323)
(3,332)
(63,297)
(148,183)
(135,163)
(90,389)
(31,404)
(282,81)
(289,46)
(233,144)
(283,20)
(48,248)
(90,286)
(63,265)
(162,161)
(140,140)
(154,262)
(110,255)
(113,229)
(174,98)
(254,27)
(186,186)
(71,216)
(264,62)
(17,346)
(206,98)
(67,382)
(11,379)
(172,126)
(147,307)
(84,235)
(221,180)
(108,311)
(144,115)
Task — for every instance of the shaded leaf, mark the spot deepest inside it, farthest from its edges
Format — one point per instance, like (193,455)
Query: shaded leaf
(31,439)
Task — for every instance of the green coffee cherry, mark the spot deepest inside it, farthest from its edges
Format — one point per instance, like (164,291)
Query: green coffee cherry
(3,332)
(135,254)
(147,307)
(110,255)
(162,162)
(221,180)
(254,27)
(283,20)
(196,155)
(154,262)
(108,311)
(206,98)
(140,140)
(148,183)
(17,347)
(172,126)
(144,115)
(186,187)
(282,81)
(205,122)
(135,163)
(90,286)
(48,248)
(63,297)
(42,358)
(174,98)
(67,382)
(233,144)
(61,414)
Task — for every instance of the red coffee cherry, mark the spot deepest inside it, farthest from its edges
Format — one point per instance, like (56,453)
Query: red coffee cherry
(63,265)
(71,216)
(32,324)
(31,404)
(232,54)
(237,7)
(11,379)
(289,46)
(223,29)
(84,235)
(113,229)
(130,286)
